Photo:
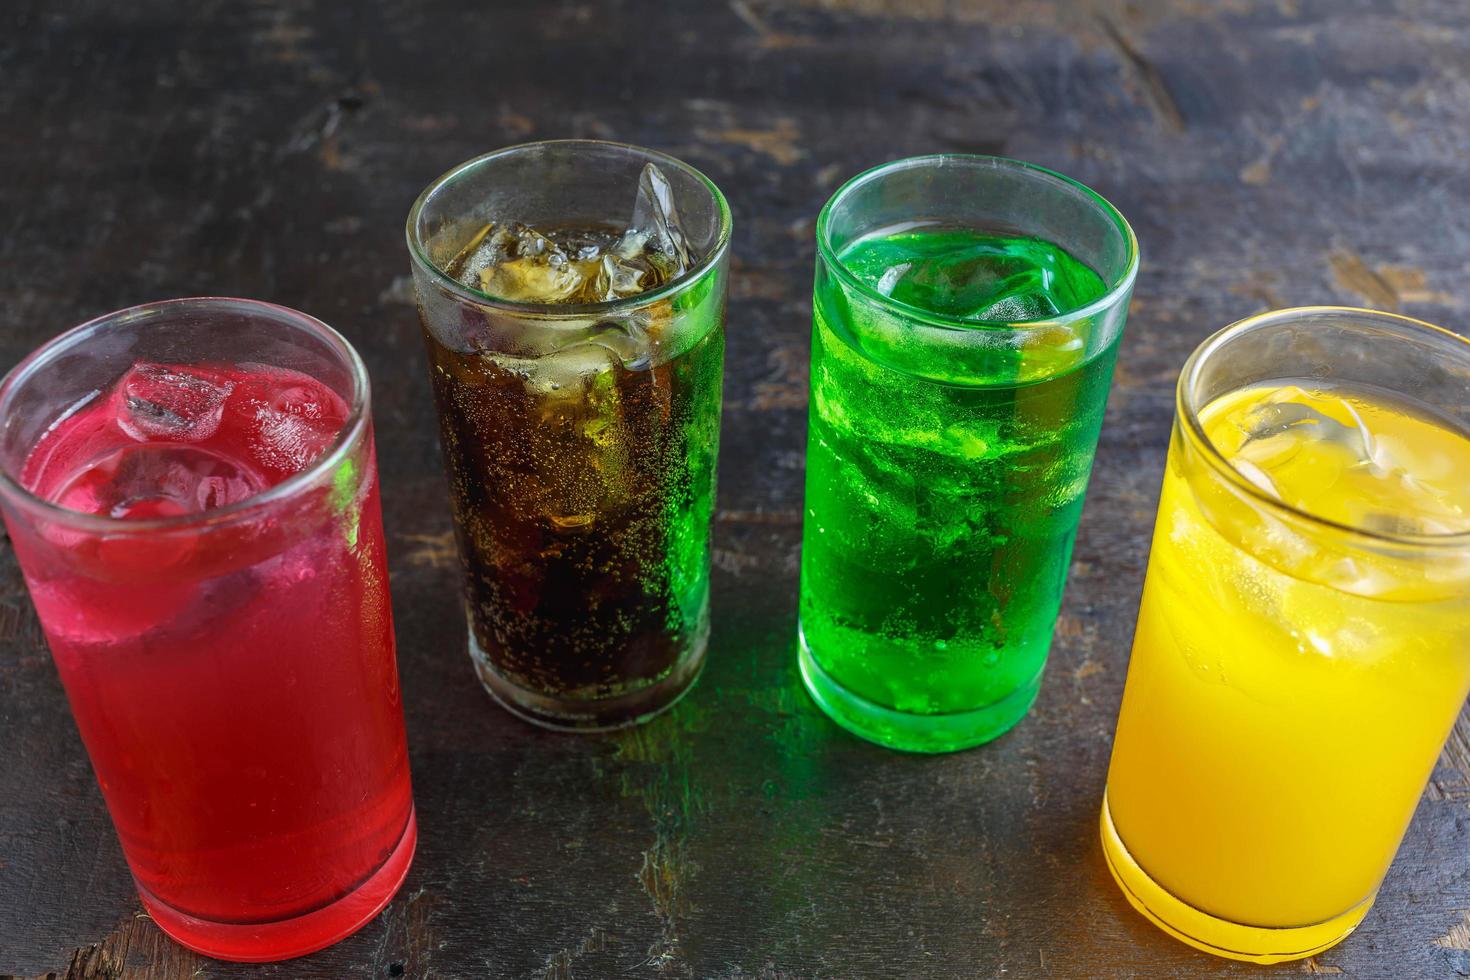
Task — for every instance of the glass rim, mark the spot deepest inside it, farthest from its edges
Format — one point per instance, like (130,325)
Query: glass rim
(342,444)
(930,318)
(568,310)
(1187,416)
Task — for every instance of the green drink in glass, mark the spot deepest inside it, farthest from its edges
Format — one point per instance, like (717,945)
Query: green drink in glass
(967,315)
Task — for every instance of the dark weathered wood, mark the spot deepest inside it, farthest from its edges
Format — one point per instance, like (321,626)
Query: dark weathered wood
(1268,153)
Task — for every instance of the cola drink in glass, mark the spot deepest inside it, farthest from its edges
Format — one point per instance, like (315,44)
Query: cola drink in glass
(572,297)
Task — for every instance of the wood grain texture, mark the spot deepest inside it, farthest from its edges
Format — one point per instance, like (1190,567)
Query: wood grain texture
(1267,153)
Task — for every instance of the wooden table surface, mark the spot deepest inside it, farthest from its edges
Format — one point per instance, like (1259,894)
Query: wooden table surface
(1267,153)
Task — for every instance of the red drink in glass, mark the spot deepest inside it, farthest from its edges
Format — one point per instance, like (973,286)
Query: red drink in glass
(203,543)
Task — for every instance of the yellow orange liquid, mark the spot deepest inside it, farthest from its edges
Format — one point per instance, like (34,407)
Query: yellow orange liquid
(1291,684)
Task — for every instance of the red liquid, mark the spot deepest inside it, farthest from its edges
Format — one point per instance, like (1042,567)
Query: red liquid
(235,686)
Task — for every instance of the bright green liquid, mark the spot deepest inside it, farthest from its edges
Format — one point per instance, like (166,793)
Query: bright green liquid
(940,514)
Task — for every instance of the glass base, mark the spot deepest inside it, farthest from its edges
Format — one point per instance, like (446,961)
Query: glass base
(266,942)
(904,730)
(1254,944)
(602,715)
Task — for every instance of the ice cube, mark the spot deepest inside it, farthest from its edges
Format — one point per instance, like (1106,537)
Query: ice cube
(655,233)
(1279,417)
(523,265)
(1020,306)
(975,280)
(1256,475)
(479,253)
(168,402)
(616,278)
(592,264)
(306,401)
(159,480)
(892,276)
(286,442)
(582,418)
(566,372)
(287,421)
(628,339)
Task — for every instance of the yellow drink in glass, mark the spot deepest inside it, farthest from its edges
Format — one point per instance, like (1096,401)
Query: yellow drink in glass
(1302,649)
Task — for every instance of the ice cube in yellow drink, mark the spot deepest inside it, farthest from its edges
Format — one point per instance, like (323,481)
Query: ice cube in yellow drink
(1291,681)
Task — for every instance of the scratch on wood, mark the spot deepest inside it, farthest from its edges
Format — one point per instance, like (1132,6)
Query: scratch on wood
(1310,965)
(1433,33)
(1459,935)
(790,518)
(756,282)
(1412,285)
(787,386)
(1259,171)
(515,124)
(136,941)
(330,153)
(559,964)
(1456,759)
(431,122)
(10,622)
(733,562)
(1088,668)
(749,16)
(1037,13)
(1069,627)
(434,550)
(829,175)
(421,942)
(1260,290)
(1131,378)
(781,142)
(662,877)
(769,39)
(920,10)
(399,292)
(282,39)
(321,130)
(878,842)
(658,770)
(915,9)
(407,936)
(1155,89)
(1352,273)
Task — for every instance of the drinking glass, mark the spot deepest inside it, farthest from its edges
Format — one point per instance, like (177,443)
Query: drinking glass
(1296,666)
(948,455)
(579,438)
(191,489)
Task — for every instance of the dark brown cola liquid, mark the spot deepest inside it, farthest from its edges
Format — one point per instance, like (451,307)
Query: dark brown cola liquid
(582,490)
